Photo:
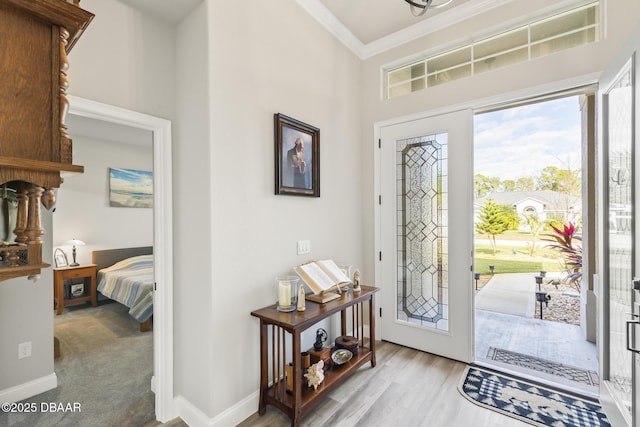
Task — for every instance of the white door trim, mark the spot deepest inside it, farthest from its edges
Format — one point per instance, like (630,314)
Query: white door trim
(162,382)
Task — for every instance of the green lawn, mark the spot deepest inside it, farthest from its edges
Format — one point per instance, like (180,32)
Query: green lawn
(516,259)
(514,266)
(516,235)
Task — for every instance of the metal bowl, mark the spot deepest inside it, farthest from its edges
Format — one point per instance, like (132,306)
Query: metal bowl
(341,356)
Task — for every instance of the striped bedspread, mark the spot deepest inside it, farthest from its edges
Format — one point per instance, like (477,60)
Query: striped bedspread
(130,282)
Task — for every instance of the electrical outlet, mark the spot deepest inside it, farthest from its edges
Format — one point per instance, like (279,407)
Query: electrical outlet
(24,350)
(304,247)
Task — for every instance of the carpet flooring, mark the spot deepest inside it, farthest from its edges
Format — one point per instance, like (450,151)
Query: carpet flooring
(529,402)
(105,369)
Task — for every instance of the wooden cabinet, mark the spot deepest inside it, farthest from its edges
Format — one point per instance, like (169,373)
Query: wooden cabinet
(277,329)
(85,272)
(34,145)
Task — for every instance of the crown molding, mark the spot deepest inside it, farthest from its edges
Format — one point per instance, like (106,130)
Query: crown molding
(328,20)
(465,11)
(431,25)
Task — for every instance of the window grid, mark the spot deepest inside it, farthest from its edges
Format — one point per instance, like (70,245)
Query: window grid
(584,29)
(397,85)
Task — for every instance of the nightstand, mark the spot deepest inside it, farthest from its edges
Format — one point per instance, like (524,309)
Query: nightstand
(86,272)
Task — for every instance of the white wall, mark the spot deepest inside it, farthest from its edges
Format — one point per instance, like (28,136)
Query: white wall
(26,314)
(83,211)
(192,175)
(125,58)
(279,60)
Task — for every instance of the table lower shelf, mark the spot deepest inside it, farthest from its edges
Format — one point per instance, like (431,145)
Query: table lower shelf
(82,298)
(332,378)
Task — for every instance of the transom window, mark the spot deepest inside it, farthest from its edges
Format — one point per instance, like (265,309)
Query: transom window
(575,27)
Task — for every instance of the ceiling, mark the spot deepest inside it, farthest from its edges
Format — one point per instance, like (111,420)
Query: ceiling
(383,17)
(171,11)
(388,23)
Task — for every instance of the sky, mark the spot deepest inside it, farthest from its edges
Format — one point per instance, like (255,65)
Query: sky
(131,180)
(521,141)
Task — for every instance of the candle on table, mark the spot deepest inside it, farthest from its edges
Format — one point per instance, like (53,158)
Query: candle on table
(284,293)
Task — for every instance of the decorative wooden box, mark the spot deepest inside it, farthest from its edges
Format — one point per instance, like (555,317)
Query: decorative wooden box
(348,343)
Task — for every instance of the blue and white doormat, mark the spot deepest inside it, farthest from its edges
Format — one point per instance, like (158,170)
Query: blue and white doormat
(530,403)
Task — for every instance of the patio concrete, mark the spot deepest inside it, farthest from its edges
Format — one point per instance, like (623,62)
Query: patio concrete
(513,293)
(553,341)
(504,315)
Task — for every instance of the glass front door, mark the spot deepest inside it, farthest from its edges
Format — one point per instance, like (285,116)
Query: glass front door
(618,102)
(425,226)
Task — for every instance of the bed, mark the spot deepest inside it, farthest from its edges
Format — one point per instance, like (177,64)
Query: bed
(126,276)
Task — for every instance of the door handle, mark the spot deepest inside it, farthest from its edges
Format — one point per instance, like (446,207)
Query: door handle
(629,330)
(636,284)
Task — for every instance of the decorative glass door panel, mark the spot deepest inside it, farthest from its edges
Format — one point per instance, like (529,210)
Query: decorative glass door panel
(620,233)
(425,225)
(422,231)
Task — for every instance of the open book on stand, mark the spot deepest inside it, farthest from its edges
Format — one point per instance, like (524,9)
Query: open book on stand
(323,278)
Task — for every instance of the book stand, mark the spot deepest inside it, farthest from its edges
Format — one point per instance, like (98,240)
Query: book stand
(330,294)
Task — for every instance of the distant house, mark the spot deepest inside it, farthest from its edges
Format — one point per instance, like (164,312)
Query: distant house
(544,203)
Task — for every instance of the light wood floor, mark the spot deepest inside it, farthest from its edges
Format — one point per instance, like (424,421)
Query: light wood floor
(407,388)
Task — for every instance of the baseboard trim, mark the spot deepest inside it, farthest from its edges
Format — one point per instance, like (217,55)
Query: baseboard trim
(232,416)
(29,389)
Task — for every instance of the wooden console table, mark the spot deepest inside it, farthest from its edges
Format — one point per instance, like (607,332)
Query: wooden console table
(274,355)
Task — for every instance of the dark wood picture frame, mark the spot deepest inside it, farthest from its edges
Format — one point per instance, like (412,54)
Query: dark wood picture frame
(297,157)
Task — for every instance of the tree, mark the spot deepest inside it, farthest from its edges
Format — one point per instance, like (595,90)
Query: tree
(525,184)
(562,180)
(548,179)
(535,227)
(512,219)
(508,185)
(484,185)
(492,221)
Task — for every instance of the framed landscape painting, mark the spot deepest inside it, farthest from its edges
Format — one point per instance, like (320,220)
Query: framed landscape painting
(297,157)
(130,188)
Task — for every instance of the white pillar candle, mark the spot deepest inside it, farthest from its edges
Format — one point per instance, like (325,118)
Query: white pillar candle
(284,293)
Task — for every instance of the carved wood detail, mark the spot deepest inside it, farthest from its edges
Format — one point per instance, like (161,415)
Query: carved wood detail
(23,212)
(66,148)
(34,143)
(34,228)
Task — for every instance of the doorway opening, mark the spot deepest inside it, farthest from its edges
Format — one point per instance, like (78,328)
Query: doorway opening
(530,315)
(106,118)
(106,332)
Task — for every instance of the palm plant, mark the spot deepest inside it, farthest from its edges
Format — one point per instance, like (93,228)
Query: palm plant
(563,241)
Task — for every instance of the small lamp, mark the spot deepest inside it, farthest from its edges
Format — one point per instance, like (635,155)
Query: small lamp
(75,242)
(538,281)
